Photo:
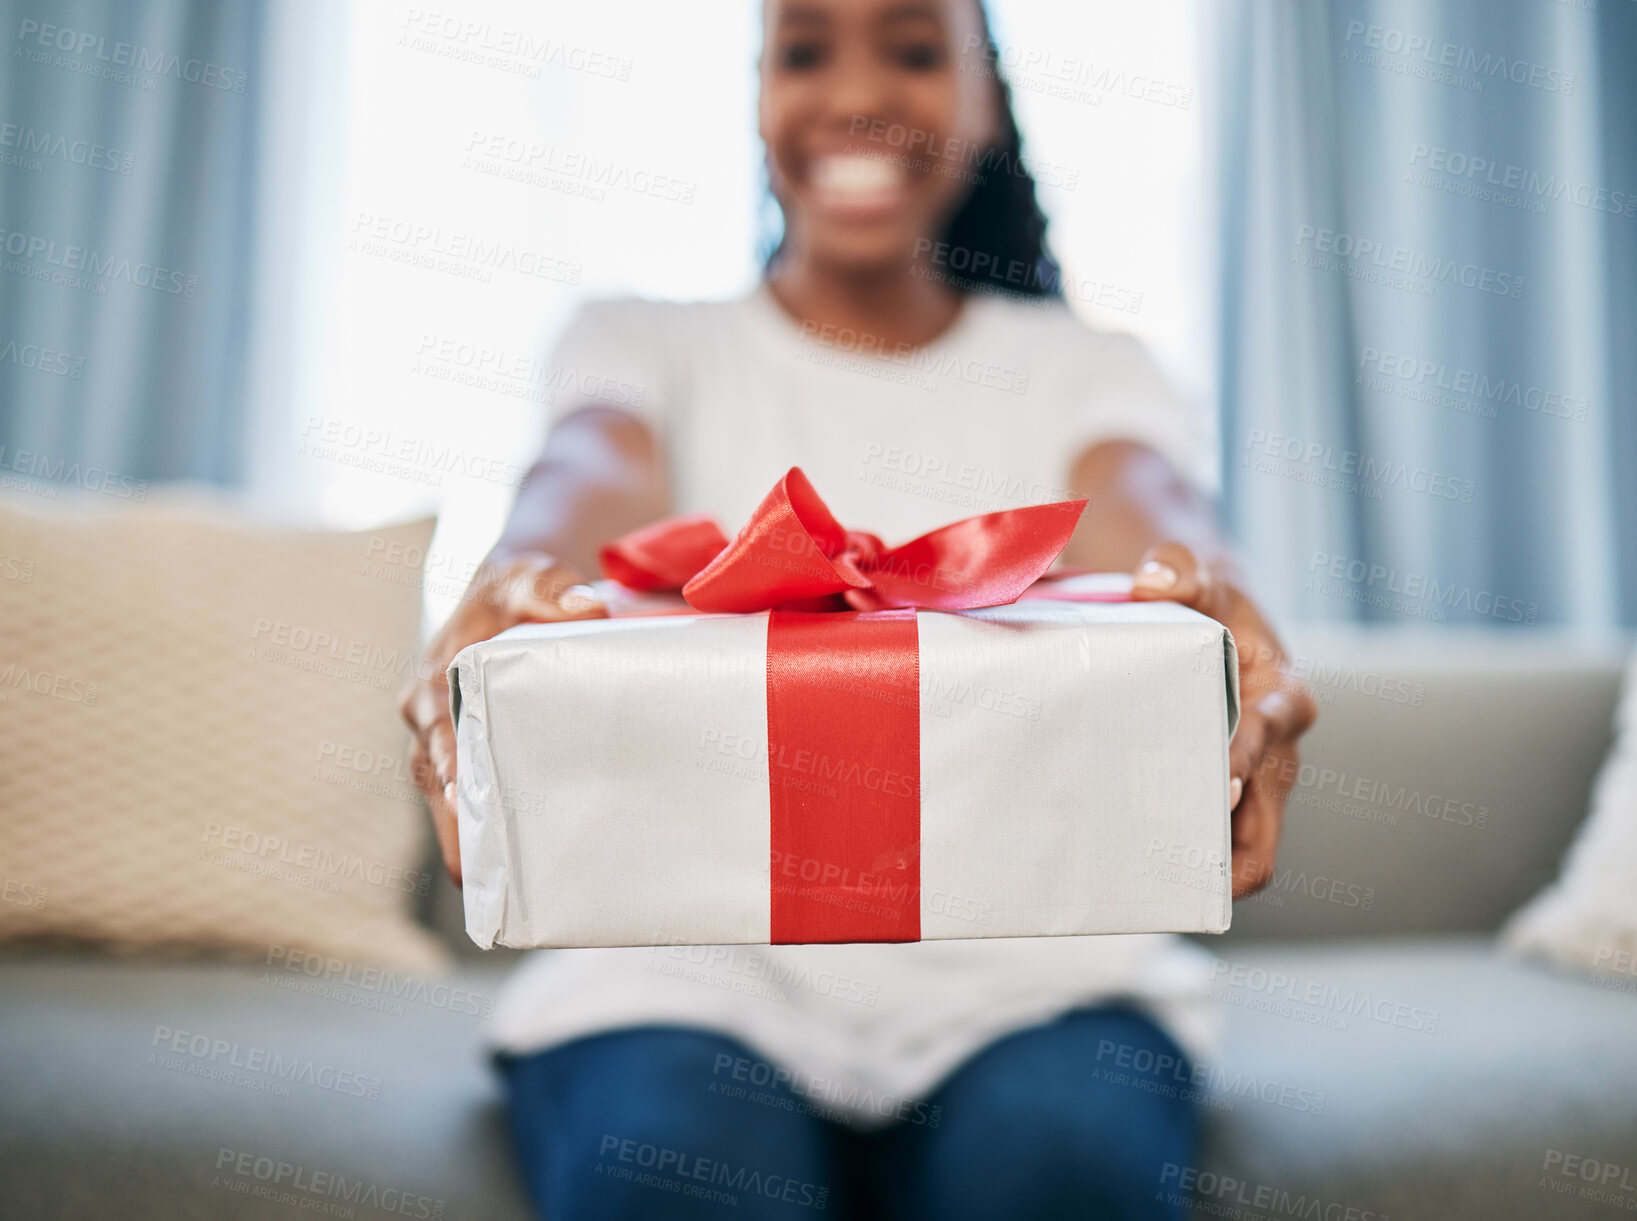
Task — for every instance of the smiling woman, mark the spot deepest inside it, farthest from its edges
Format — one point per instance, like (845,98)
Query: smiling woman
(558,138)
(895,162)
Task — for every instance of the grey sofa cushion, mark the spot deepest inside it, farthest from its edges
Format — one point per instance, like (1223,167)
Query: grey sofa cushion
(382,1105)
(1473,1116)
(1456,1121)
(1441,784)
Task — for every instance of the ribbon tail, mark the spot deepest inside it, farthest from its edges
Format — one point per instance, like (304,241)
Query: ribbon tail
(987,560)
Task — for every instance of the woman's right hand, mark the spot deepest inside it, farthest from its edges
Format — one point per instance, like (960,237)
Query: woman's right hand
(528,587)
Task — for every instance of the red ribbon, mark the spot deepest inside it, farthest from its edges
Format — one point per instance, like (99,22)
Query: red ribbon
(843,689)
(794,555)
(844,776)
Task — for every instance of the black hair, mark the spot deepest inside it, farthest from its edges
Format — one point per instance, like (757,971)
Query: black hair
(996,241)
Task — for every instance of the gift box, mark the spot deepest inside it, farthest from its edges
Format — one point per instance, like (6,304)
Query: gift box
(859,758)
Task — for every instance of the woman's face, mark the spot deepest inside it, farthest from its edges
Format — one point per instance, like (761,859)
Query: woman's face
(875,114)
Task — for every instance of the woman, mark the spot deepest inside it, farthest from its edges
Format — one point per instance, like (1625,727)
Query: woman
(954,1079)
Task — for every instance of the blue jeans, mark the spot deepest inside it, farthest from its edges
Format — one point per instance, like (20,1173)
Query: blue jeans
(1077,1118)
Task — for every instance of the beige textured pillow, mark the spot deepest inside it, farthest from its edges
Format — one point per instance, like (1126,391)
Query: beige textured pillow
(202,747)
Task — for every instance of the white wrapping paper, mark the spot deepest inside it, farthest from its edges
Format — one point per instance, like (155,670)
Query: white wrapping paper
(613,777)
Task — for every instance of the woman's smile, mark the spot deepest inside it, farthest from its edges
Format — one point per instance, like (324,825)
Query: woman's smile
(857,186)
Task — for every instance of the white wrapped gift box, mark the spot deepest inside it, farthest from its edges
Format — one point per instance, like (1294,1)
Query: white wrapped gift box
(618,783)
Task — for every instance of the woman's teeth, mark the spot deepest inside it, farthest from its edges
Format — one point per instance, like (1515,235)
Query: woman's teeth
(855,182)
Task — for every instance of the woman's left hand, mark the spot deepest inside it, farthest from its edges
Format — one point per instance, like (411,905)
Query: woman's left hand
(1276,708)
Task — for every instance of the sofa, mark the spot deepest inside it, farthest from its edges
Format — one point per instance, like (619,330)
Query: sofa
(1380,1059)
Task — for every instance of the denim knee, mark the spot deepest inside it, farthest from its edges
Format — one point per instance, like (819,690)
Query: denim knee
(642,1123)
(1046,1124)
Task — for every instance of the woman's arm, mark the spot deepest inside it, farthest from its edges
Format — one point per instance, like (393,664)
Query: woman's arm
(599,475)
(1143,516)
(1137,500)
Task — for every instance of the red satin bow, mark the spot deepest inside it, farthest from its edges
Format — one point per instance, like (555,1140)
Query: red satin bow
(794,555)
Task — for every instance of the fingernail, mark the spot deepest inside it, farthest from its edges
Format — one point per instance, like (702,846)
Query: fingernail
(449,791)
(1156,575)
(578,598)
(1235,789)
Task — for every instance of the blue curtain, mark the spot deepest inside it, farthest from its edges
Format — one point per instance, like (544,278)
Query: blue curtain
(1429,306)
(128,160)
